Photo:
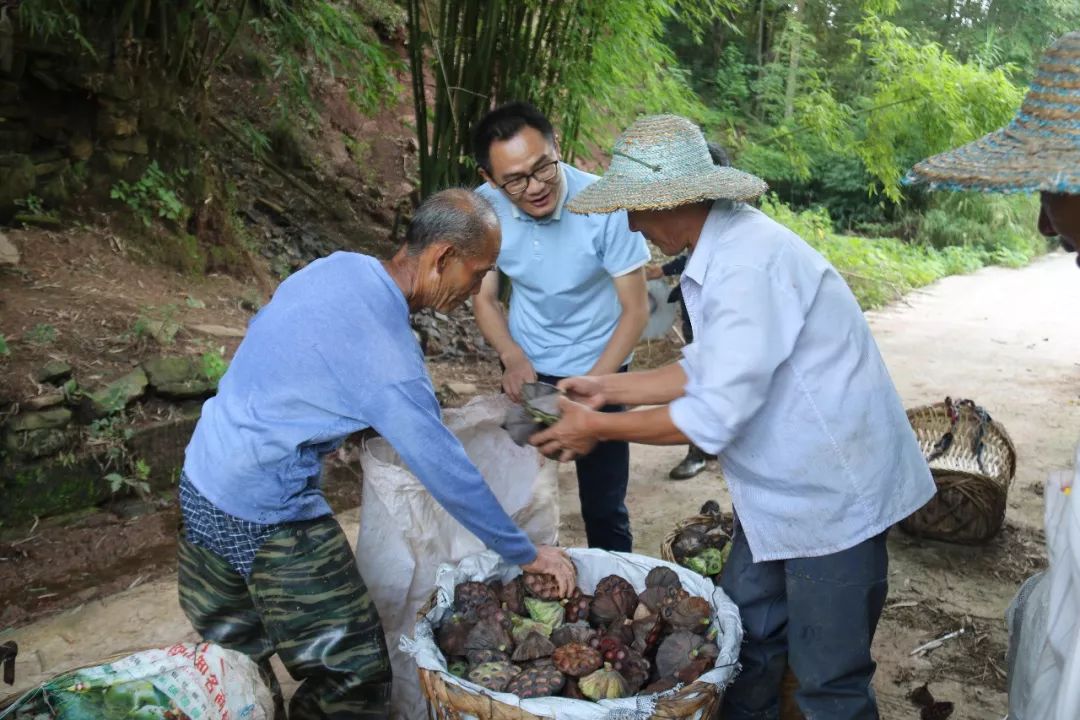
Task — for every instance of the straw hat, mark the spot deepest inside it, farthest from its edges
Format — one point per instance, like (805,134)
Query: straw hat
(662,161)
(1038,150)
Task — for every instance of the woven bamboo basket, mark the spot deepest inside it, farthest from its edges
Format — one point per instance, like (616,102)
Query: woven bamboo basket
(789,710)
(667,551)
(450,702)
(973,461)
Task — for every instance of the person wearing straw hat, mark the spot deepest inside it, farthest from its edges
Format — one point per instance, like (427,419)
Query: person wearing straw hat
(1039,151)
(578,303)
(696,459)
(785,383)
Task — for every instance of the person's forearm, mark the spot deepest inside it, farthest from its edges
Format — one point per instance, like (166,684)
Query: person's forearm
(622,342)
(493,326)
(650,387)
(648,427)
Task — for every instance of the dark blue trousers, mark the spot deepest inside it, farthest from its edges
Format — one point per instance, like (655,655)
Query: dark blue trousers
(602,477)
(818,614)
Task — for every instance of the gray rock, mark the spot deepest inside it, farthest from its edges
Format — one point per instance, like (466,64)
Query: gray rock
(81,147)
(42,402)
(178,377)
(54,372)
(51,167)
(42,420)
(133,145)
(38,443)
(55,193)
(9,254)
(462,388)
(17,180)
(120,393)
(218,330)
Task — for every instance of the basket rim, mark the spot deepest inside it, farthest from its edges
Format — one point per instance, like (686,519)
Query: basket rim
(919,418)
(965,418)
(696,695)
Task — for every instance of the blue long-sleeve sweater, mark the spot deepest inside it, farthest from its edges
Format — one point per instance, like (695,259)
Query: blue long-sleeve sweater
(333,353)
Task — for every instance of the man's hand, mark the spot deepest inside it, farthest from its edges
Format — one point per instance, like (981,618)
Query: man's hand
(654,272)
(518,372)
(553,561)
(589,391)
(569,438)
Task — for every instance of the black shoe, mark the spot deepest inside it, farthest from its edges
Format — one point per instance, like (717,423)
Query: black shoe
(692,464)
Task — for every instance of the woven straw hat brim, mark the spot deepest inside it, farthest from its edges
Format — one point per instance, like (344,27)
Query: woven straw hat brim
(616,192)
(1004,162)
(1038,151)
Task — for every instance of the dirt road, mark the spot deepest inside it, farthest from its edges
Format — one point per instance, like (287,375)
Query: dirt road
(1006,338)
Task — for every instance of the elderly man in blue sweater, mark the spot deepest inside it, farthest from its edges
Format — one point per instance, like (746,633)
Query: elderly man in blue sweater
(264,567)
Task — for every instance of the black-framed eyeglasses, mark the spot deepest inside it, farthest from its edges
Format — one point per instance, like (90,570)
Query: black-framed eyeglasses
(545,174)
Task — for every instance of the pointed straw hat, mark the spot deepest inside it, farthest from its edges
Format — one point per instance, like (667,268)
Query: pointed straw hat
(1038,151)
(662,161)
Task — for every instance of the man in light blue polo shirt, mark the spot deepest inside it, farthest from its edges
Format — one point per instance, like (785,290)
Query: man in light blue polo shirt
(578,302)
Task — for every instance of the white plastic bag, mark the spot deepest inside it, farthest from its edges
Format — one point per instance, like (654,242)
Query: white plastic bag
(592,566)
(202,680)
(405,535)
(1044,619)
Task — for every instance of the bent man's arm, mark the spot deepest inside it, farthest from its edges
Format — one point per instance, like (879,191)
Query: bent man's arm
(630,289)
(493,326)
(409,419)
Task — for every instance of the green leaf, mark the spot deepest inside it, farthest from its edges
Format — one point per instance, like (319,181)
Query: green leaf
(116,481)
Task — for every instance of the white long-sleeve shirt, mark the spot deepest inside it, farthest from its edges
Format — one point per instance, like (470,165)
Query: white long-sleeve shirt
(786,384)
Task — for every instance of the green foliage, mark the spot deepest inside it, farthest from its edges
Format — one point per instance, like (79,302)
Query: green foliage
(310,34)
(881,270)
(1002,226)
(155,194)
(48,19)
(187,42)
(110,435)
(257,140)
(41,334)
(926,100)
(4,350)
(136,479)
(214,364)
(31,204)
(591,67)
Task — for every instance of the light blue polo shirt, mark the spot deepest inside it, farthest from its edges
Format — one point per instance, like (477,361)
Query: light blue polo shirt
(564,308)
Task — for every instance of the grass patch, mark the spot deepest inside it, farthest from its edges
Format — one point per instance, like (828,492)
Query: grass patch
(881,270)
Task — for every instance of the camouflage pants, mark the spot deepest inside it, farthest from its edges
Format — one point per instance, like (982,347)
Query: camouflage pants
(305,601)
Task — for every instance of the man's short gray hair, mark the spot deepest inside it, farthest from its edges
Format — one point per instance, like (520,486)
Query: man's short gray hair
(456,216)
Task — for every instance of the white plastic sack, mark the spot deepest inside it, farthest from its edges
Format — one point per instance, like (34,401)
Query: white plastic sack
(203,681)
(1044,619)
(592,566)
(405,535)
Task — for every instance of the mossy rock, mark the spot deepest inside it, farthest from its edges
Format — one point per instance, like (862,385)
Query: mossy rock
(118,394)
(179,377)
(42,420)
